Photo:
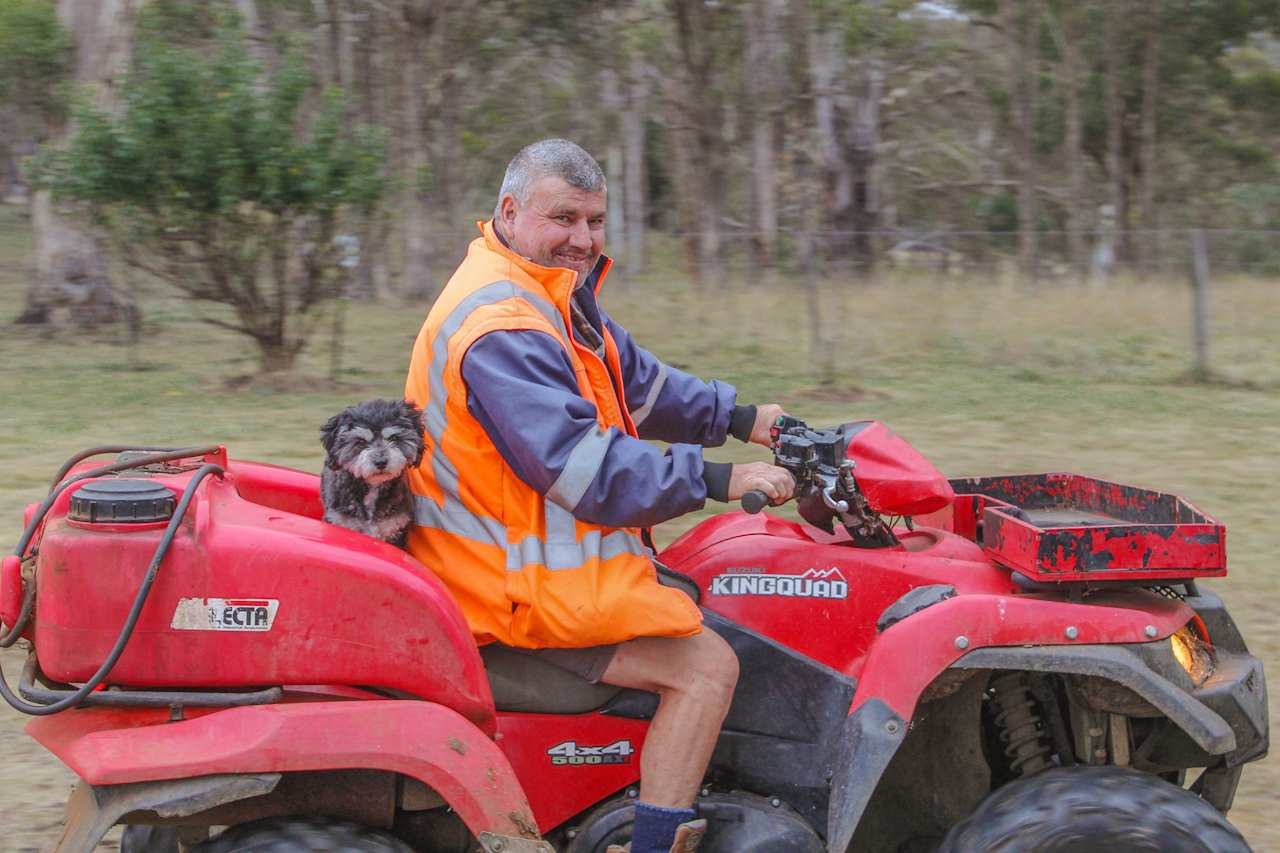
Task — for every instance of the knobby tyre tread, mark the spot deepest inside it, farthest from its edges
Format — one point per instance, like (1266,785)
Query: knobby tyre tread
(303,835)
(1086,809)
(149,839)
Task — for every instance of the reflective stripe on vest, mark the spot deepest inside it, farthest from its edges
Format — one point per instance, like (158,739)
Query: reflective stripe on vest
(639,415)
(562,549)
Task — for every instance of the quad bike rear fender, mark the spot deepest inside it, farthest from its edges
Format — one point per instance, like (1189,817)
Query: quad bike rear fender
(130,760)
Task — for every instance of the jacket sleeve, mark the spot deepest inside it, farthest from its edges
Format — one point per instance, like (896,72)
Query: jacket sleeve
(522,389)
(671,405)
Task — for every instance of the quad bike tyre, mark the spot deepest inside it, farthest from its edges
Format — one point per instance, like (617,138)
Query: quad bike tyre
(1087,809)
(303,835)
(149,839)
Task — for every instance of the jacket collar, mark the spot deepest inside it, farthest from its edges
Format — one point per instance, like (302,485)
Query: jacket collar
(559,282)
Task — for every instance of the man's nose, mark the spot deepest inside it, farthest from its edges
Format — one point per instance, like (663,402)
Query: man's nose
(580,235)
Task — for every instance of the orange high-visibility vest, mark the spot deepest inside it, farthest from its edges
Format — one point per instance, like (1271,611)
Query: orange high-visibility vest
(525,571)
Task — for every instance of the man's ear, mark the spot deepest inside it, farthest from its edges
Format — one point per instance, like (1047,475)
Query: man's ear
(507,208)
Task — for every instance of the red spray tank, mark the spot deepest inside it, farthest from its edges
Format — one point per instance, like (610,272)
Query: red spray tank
(237,597)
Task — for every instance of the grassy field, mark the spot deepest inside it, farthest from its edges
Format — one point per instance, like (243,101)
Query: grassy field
(981,376)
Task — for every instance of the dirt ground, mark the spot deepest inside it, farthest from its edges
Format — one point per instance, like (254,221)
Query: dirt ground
(36,784)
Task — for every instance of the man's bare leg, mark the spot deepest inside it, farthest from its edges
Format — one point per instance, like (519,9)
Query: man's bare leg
(694,678)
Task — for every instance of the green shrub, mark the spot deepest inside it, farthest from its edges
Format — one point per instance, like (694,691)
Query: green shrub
(215,179)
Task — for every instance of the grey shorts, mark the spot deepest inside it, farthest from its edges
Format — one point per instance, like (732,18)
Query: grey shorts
(588,664)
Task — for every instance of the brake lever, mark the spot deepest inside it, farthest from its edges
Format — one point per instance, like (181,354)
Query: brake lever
(833,502)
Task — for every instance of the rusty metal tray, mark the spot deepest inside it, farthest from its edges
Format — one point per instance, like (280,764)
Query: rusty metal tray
(1069,527)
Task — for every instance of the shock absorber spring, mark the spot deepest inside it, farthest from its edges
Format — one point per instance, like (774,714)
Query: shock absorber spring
(1026,743)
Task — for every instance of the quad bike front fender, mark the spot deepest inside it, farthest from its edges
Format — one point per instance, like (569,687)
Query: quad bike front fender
(1112,638)
(908,655)
(1225,717)
(240,752)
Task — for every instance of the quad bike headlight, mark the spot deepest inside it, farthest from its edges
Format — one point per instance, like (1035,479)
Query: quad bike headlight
(1192,653)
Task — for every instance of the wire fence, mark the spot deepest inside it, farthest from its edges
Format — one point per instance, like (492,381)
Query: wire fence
(1093,254)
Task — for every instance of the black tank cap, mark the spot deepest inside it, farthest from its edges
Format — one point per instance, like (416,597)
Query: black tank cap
(122,501)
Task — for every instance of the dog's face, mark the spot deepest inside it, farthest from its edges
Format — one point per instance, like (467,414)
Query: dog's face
(375,440)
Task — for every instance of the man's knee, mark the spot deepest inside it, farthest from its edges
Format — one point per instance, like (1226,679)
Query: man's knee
(715,666)
(702,665)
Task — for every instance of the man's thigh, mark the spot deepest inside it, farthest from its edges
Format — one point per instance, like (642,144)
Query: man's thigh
(588,663)
(660,663)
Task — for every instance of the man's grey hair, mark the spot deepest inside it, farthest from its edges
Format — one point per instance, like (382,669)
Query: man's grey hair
(558,158)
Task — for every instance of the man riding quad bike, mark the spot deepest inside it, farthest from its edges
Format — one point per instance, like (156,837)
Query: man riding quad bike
(1015,663)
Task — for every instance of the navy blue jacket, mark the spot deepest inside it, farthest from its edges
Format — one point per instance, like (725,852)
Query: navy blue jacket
(522,389)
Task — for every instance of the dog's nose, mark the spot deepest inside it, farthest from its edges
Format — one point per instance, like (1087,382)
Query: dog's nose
(380,464)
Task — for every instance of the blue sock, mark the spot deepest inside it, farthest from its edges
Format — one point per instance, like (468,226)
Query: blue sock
(655,827)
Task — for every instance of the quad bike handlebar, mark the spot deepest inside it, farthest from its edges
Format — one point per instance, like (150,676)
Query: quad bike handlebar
(754,501)
(826,488)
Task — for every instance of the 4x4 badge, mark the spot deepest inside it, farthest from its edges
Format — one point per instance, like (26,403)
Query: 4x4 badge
(571,752)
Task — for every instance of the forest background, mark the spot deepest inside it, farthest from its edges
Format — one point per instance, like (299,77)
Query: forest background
(974,220)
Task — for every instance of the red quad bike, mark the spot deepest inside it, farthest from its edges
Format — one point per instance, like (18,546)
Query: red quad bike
(1018,663)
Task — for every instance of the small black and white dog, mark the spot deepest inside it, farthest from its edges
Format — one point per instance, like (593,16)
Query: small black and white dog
(365,484)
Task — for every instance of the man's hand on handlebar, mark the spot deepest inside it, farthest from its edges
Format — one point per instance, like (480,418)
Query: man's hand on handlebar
(766,416)
(776,483)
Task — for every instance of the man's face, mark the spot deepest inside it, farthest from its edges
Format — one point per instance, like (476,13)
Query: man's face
(559,226)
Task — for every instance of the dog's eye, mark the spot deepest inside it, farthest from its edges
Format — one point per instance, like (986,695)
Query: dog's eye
(359,442)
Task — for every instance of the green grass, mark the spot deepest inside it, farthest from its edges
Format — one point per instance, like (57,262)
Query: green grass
(981,376)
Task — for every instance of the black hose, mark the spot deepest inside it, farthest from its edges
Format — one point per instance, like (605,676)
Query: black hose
(167,456)
(143,698)
(139,600)
(106,448)
(20,625)
(163,455)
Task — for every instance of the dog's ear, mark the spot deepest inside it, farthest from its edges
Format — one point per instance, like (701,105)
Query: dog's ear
(416,421)
(329,435)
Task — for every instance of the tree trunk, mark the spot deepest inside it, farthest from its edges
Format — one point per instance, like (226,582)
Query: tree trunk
(862,150)
(847,117)
(821,348)
(275,356)
(1028,54)
(763,74)
(417,280)
(1149,242)
(331,34)
(450,176)
(1067,37)
(634,178)
(371,279)
(697,38)
(70,267)
(259,35)
(1113,105)
(826,58)
(615,221)
(684,178)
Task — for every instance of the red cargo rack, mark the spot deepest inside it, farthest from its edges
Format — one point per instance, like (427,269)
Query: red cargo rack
(1060,528)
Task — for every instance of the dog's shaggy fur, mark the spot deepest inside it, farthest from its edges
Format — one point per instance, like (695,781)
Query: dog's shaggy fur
(365,484)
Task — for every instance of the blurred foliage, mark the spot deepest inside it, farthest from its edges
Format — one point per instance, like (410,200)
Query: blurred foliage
(202,136)
(477,81)
(35,52)
(215,177)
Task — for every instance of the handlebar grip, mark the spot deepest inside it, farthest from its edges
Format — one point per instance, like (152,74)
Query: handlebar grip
(754,501)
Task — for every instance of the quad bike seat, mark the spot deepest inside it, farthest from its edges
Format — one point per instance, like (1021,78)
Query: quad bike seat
(529,684)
